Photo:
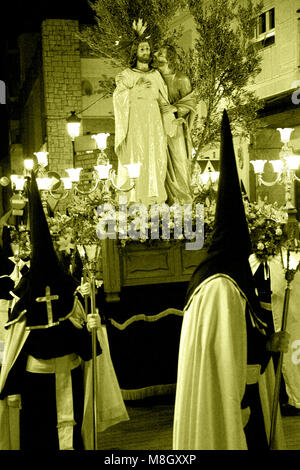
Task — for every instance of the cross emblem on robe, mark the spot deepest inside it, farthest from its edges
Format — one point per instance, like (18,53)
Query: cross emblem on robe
(48,299)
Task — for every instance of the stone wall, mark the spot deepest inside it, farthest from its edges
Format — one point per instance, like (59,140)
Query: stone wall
(62,87)
(33,119)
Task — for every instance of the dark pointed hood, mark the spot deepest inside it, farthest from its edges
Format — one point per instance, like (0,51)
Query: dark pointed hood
(41,242)
(230,245)
(46,272)
(230,233)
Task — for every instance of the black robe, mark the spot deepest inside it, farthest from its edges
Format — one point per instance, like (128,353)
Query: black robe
(38,416)
(257,354)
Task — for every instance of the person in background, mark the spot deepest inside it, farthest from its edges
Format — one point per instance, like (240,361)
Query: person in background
(183,101)
(42,390)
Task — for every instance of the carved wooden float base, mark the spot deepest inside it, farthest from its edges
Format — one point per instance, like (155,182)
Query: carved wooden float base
(139,264)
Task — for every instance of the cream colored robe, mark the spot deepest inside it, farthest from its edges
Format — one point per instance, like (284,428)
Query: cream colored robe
(141,133)
(212,369)
(212,372)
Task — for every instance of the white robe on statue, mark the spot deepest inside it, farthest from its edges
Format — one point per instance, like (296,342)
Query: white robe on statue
(212,369)
(141,133)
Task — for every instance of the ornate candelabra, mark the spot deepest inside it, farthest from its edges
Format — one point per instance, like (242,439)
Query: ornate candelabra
(285,168)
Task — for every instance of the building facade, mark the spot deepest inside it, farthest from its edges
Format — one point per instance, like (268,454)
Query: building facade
(278,85)
(58,75)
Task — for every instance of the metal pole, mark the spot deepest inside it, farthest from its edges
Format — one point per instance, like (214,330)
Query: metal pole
(94,368)
(73,151)
(94,354)
(86,308)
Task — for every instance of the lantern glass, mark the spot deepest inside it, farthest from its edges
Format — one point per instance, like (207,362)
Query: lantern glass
(258,165)
(285,134)
(74,174)
(103,171)
(290,259)
(277,165)
(67,182)
(73,129)
(28,164)
(44,183)
(292,162)
(18,182)
(101,140)
(42,158)
(133,169)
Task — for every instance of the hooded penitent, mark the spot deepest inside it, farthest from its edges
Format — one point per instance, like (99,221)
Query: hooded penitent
(46,292)
(6,265)
(230,244)
(6,268)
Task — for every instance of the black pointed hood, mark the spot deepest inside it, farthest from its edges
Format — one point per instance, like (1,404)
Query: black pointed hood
(230,232)
(230,245)
(46,273)
(41,242)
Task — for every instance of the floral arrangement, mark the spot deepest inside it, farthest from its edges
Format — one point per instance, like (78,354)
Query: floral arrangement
(167,228)
(20,241)
(265,220)
(266,225)
(62,232)
(78,226)
(81,225)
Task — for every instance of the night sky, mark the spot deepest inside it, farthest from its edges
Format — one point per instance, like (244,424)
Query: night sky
(21,16)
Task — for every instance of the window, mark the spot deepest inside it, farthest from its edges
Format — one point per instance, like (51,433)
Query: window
(272,18)
(262,23)
(265,29)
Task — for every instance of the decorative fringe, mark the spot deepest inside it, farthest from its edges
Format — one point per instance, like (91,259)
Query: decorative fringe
(153,390)
(147,318)
(266,305)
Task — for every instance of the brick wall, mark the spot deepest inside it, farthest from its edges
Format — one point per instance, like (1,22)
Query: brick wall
(62,87)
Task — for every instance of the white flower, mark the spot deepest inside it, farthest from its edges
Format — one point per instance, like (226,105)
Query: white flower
(260,246)
(65,244)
